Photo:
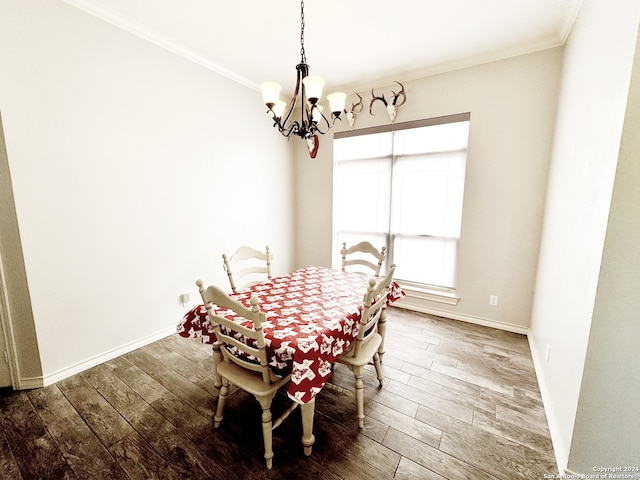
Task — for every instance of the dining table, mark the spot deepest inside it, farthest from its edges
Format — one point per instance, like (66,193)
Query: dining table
(312,316)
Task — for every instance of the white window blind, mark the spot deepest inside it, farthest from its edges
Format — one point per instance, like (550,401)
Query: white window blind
(404,189)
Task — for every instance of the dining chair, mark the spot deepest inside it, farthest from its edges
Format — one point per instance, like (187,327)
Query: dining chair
(244,360)
(361,254)
(248,266)
(365,254)
(365,346)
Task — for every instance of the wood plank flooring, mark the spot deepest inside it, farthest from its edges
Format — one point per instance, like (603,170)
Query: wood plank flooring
(459,401)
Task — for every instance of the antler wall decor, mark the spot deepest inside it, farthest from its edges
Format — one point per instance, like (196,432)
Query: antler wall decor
(356,108)
(392,105)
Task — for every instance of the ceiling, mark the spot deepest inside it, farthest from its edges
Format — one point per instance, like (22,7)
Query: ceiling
(353,44)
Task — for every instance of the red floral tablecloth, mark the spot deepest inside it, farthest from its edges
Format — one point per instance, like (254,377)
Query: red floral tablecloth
(312,316)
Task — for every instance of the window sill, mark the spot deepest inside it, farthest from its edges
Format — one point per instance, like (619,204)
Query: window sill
(432,295)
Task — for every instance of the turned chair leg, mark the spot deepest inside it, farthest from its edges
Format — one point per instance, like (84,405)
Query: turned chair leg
(224,391)
(217,360)
(376,363)
(267,429)
(357,371)
(382,327)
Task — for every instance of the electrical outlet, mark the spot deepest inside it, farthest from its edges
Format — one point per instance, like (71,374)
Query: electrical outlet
(546,356)
(493,300)
(185,298)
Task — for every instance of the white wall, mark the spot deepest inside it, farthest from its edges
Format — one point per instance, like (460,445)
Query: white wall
(132,170)
(513,107)
(597,66)
(607,419)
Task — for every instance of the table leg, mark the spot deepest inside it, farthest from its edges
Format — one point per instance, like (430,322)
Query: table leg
(217,358)
(308,439)
(382,327)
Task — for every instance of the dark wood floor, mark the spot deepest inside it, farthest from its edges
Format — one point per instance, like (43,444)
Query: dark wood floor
(459,401)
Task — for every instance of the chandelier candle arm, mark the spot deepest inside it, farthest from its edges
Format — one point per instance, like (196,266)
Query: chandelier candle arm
(336,102)
(313,85)
(312,121)
(316,113)
(270,93)
(279,108)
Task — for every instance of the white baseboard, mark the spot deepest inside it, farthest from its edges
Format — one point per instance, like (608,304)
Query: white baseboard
(554,430)
(97,360)
(509,327)
(28,383)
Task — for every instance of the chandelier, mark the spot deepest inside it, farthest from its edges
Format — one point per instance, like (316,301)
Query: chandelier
(311,121)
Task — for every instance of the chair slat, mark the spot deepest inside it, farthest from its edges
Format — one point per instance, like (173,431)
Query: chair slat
(354,256)
(243,266)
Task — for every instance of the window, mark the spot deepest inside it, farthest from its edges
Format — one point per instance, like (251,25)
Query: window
(402,186)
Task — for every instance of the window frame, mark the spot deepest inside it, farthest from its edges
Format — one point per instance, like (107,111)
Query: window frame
(433,292)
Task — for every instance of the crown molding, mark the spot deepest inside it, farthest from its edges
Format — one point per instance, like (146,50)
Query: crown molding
(110,16)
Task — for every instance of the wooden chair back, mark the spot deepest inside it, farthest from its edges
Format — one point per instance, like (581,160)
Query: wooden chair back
(374,303)
(250,353)
(247,266)
(363,254)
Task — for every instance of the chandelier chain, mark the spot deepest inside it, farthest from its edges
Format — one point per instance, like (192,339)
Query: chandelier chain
(302,54)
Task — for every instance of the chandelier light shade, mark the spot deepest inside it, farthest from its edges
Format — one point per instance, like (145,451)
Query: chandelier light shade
(336,101)
(307,94)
